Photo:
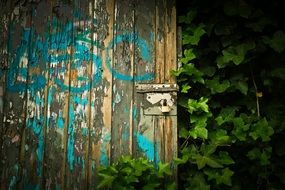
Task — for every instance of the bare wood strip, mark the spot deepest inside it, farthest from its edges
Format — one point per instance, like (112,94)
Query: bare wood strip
(160,41)
(171,49)
(145,31)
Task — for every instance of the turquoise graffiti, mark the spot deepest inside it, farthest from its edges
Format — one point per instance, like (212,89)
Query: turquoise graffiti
(34,49)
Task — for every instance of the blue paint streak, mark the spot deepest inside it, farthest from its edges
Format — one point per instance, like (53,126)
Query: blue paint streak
(12,183)
(57,187)
(84,131)
(26,47)
(135,114)
(60,122)
(147,147)
(145,53)
(70,142)
(80,101)
(104,161)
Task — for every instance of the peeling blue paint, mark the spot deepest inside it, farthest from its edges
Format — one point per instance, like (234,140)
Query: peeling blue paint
(148,148)
(106,137)
(144,51)
(12,183)
(60,122)
(84,131)
(57,187)
(126,132)
(135,113)
(70,141)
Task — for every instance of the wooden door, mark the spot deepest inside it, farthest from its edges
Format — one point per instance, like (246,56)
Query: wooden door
(81,84)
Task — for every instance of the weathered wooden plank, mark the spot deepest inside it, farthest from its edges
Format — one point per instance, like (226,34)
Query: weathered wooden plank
(170,45)
(14,110)
(101,114)
(59,131)
(171,63)
(122,86)
(4,21)
(36,101)
(143,128)
(79,104)
(159,126)
(160,41)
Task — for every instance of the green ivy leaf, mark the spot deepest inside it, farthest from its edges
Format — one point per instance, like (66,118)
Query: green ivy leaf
(171,186)
(106,180)
(242,87)
(183,133)
(225,158)
(216,86)
(182,160)
(263,156)
(226,115)
(208,149)
(190,70)
(198,182)
(240,128)
(277,42)
(164,169)
(198,105)
(200,132)
(151,186)
(208,71)
(185,88)
(194,39)
(221,178)
(188,56)
(262,130)
(219,137)
(188,18)
(226,177)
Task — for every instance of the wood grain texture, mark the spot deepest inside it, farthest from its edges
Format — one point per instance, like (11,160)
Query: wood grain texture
(143,129)
(37,99)
(122,86)
(69,103)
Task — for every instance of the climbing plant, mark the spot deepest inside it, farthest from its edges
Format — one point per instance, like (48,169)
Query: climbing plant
(232,80)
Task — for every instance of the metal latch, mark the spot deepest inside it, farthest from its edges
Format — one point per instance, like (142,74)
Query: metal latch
(158,99)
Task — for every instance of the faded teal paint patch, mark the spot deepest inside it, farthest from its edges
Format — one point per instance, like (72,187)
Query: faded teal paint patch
(106,137)
(57,187)
(144,52)
(81,101)
(84,131)
(126,132)
(135,114)
(12,183)
(126,110)
(147,147)
(60,122)
(70,141)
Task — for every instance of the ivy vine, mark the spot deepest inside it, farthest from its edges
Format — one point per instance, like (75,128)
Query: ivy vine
(232,79)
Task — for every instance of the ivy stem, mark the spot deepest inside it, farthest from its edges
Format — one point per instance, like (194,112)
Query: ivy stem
(257,94)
